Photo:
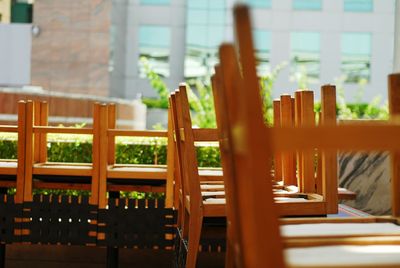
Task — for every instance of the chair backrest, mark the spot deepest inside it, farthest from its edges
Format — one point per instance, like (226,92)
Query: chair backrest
(302,169)
(188,157)
(178,169)
(248,155)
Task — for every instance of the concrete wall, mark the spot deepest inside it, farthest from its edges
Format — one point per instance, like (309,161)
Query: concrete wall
(15,51)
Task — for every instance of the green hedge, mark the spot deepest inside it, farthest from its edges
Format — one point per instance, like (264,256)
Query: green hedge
(128,151)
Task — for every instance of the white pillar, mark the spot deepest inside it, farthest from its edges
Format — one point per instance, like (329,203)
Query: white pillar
(396,66)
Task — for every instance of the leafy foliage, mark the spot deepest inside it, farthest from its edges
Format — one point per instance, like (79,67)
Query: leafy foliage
(202,103)
(267,84)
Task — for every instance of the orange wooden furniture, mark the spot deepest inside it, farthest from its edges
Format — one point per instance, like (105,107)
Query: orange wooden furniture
(130,177)
(12,172)
(258,241)
(198,200)
(41,174)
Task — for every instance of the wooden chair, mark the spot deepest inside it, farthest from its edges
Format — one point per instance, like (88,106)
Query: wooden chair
(301,170)
(42,174)
(129,177)
(197,201)
(140,177)
(259,243)
(12,172)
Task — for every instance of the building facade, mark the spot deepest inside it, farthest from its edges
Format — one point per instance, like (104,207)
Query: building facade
(5,11)
(71,46)
(317,42)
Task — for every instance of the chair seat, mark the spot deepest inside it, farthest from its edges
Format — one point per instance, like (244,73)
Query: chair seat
(126,171)
(345,194)
(344,256)
(210,174)
(209,194)
(214,201)
(290,199)
(8,167)
(211,187)
(63,169)
(336,229)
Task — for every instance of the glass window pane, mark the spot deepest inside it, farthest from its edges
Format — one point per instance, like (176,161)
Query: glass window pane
(154,44)
(356,43)
(217,17)
(197,4)
(197,16)
(215,36)
(358,5)
(262,43)
(154,2)
(196,35)
(205,31)
(305,42)
(262,40)
(356,56)
(305,54)
(259,3)
(216,4)
(307,4)
(154,36)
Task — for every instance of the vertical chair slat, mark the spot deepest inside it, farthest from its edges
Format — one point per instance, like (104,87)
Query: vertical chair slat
(394,111)
(224,88)
(288,160)
(307,161)
(299,155)
(278,156)
(36,136)
(112,124)
(255,255)
(29,154)
(329,158)
(102,163)
(44,114)
(94,197)
(20,184)
(318,175)
(169,191)
(178,184)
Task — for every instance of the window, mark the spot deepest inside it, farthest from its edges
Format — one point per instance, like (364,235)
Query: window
(154,2)
(259,3)
(204,33)
(305,55)
(356,56)
(358,5)
(154,44)
(262,44)
(307,4)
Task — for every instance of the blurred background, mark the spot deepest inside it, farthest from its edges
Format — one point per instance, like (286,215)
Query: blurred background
(136,49)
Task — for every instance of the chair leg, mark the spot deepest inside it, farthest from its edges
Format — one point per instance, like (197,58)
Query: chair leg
(195,225)
(181,216)
(229,262)
(185,223)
